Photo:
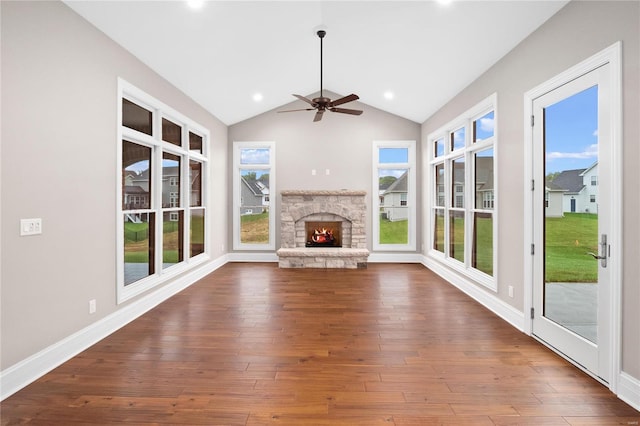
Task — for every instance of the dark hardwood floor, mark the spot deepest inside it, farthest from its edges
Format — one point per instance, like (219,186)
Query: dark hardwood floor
(253,344)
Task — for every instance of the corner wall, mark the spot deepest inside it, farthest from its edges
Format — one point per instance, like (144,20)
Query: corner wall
(341,143)
(59,99)
(578,31)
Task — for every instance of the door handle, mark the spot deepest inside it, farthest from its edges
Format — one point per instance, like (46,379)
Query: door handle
(604,248)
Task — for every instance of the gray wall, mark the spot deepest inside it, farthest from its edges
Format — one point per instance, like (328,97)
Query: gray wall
(577,32)
(59,101)
(341,143)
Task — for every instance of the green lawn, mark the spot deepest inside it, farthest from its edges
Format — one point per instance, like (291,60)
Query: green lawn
(394,232)
(254,228)
(137,240)
(567,240)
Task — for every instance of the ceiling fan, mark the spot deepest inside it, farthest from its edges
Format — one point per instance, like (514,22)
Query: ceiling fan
(322,104)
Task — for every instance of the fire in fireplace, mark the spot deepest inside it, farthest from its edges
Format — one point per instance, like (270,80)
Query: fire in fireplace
(323,234)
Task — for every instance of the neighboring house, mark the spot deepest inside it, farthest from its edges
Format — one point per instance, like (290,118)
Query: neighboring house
(394,200)
(484,185)
(553,196)
(579,190)
(136,190)
(254,196)
(484,181)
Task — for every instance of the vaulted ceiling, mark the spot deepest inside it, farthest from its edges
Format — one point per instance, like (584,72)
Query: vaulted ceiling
(405,57)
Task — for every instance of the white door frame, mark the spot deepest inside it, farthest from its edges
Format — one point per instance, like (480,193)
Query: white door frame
(611,55)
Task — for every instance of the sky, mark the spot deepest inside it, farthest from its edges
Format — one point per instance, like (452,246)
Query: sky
(571,132)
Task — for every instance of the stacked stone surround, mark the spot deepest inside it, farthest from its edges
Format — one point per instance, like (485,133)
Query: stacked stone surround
(299,206)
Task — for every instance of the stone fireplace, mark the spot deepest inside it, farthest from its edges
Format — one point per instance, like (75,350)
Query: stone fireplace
(308,213)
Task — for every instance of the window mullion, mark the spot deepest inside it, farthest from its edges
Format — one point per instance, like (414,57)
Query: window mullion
(468,206)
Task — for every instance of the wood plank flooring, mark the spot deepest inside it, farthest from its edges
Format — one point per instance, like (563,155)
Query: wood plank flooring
(252,344)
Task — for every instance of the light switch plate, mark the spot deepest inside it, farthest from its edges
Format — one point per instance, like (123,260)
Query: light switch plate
(30,226)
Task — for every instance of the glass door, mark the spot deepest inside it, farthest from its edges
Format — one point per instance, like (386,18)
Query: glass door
(571,218)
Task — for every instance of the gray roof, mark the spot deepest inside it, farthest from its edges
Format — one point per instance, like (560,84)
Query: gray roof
(252,184)
(569,180)
(399,185)
(484,173)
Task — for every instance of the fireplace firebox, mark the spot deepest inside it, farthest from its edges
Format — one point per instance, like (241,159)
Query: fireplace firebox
(323,234)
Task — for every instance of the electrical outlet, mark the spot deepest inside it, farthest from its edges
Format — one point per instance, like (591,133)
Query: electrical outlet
(92,306)
(30,226)
(511,291)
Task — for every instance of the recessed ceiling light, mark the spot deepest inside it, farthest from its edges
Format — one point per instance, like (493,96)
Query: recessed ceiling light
(388,94)
(195,4)
(257,97)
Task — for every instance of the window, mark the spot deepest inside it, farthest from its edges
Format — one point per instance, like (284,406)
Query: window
(161,213)
(594,180)
(253,183)
(394,204)
(463,201)
(592,198)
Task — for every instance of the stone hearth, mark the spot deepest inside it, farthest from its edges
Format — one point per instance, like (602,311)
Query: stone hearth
(300,206)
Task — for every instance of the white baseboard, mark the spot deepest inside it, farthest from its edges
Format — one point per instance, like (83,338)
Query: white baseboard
(629,390)
(395,258)
(32,368)
(486,299)
(252,257)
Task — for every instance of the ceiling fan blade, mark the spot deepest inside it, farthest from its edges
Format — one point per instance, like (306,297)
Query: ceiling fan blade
(294,110)
(348,98)
(302,98)
(318,116)
(347,111)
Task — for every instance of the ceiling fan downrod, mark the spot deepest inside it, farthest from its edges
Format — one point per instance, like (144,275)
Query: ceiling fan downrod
(321,34)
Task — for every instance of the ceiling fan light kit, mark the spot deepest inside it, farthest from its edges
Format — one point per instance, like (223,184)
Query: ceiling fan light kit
(322,103)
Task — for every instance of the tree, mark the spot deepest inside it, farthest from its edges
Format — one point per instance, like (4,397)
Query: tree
(386,181)
(249,176)
(551,176)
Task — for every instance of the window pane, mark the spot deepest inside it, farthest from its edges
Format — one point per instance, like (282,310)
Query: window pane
(394,212)
(195,143)
(457,139)
(171,132)
(139,245)
(456,235)
(438,148)
(255,156)
(170,180)
(439,179)
(195,179)
(136,171)
(254,206)
(457,183)
(482,250)
(135,117)
(393,155)
(172,238)
(438,230)
(197,232)
(483,127)
(483,179)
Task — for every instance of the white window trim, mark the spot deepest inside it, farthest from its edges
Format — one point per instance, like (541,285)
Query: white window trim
(161,275)
(411,194)
(237,147)
(464,120)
